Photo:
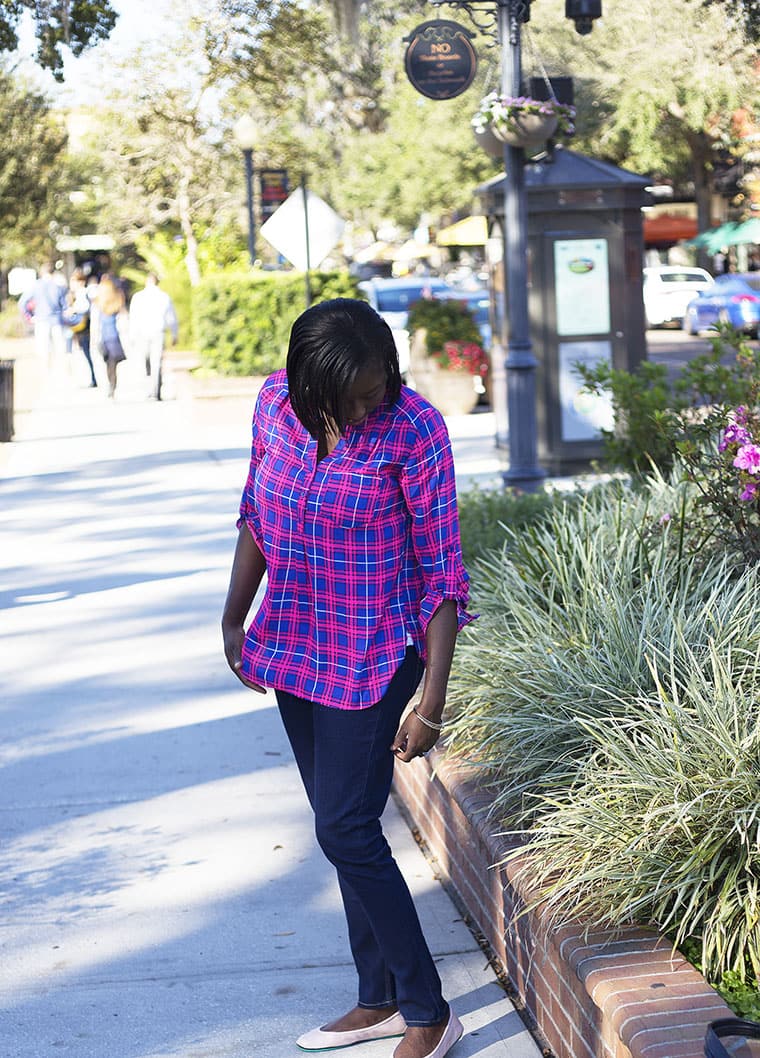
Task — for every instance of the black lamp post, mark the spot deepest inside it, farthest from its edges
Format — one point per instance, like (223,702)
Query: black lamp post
(246,135)
(503,18)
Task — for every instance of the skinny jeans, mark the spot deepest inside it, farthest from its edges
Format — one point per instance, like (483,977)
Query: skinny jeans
(346,765)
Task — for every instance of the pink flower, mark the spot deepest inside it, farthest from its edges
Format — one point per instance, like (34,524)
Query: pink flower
(665,519)
(734,434)
(748,458)
(749,492)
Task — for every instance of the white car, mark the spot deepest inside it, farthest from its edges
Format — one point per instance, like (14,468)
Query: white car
(668,289)
(393,298)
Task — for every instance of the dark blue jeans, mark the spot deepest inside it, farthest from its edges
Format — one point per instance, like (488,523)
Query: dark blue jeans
(346,764)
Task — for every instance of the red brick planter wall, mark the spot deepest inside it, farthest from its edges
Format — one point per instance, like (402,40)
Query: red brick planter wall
(594,996)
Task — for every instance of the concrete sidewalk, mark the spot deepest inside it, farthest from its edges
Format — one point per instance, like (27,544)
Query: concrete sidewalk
(162,893)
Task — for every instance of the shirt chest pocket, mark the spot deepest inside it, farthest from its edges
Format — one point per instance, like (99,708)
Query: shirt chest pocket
(355,499)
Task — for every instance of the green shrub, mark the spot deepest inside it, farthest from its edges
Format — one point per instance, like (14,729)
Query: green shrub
(12,324)
(444,321)
(243,320)
(609,694)
(484,513)
(654,415)
(661,824)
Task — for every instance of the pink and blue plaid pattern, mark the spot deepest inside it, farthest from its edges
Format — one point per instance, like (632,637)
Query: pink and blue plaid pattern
(361,547)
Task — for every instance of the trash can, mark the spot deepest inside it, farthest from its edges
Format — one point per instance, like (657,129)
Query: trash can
(6,400)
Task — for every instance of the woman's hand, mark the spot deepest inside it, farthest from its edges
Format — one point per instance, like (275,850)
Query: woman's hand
(233,636)
(413,738)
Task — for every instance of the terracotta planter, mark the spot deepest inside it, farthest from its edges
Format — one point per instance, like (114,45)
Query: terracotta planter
(526,130)
(451,392)
(490,143)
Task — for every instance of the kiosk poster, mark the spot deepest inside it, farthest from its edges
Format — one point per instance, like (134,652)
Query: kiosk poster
(440,60)
(582,286)
(583,415)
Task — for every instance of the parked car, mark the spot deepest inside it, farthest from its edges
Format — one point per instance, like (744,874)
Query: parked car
(733,298)
(392,298)
(668,289)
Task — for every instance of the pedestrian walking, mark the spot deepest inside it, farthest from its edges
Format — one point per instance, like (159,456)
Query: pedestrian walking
(110,306)
(350,509)
(78,318)
(45,302)
(151,315)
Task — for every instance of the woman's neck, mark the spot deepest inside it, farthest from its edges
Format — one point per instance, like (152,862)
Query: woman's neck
(328,439)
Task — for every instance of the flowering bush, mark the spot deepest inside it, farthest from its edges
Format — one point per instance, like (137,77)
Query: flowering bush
(452,337)
(502,111)
(707,422)
(738,441)
(462,356)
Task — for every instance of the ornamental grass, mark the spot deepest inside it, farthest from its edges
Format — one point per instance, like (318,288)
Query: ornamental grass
(609,693)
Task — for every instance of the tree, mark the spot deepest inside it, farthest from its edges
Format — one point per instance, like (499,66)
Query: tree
(167,162)
(326,82)
(31,159)
(748,13)
(75,24)
(664,110)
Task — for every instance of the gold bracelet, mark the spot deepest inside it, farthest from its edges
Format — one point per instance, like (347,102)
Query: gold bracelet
(428,723)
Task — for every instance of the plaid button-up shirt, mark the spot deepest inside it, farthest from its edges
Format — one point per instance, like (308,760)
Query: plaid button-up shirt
(361,547)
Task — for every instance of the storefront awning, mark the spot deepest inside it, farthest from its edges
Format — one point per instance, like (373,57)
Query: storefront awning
(471,231)
(668,228)
(84,243)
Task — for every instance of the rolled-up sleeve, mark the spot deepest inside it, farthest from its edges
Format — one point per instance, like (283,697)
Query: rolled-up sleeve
(429,489)
(248,512)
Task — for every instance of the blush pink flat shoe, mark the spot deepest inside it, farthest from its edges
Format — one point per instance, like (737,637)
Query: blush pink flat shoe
(320,1040)
(451,1034)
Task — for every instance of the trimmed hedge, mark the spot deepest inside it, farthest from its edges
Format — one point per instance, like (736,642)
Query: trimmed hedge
(243,320)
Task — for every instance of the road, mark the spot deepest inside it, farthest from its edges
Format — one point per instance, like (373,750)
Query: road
(676,348)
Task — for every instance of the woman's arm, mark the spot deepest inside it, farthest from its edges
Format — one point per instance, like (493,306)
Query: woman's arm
(414,737)
(248,567)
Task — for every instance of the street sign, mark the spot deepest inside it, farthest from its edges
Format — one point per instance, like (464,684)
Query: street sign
(286,229)
(273,186)
(440,60)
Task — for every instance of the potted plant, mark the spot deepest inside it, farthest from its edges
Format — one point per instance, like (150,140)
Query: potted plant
(448,364)
(520,121)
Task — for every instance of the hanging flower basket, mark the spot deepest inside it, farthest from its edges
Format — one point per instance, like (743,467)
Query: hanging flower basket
(526,130)
(490,143)
(522,121)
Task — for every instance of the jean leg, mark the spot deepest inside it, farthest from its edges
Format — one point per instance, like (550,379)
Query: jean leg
(83,341)
(353,774)
(376,986)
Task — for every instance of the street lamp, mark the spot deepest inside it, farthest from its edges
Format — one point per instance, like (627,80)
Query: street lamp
(246,137)
(503,19)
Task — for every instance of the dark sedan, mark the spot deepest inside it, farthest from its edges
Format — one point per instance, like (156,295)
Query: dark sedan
(732,298)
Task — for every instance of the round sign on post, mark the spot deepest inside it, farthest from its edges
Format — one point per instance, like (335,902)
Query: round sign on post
(440,60)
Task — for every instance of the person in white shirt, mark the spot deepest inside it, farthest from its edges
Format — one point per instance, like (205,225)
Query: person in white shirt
(151,314)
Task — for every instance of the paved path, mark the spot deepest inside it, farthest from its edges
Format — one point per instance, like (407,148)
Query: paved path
(161,891)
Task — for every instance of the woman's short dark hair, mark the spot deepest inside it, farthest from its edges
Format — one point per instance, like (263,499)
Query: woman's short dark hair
(330,344)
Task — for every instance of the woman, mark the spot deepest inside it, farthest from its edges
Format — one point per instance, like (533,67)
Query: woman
(350,508)
(110,305)
(78,318)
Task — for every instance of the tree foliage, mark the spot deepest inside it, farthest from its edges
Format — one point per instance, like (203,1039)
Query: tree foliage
(165,164)
(748,13)
(665,117)
(31,153)
(75,24)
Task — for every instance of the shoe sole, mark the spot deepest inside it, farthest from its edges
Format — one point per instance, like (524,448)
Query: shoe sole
(345,1046)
